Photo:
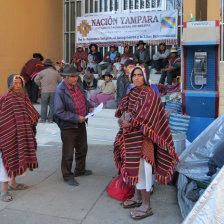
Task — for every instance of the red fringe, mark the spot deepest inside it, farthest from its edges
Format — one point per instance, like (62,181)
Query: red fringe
(22,170)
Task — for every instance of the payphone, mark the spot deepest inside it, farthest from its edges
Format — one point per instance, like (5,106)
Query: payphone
(200,68)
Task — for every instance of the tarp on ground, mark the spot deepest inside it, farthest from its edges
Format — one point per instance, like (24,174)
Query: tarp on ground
(209,208)
(193,169)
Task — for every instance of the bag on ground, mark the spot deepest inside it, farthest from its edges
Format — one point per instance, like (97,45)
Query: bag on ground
(119,190)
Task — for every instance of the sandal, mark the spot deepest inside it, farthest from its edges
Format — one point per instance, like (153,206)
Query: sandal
(132,205)
(18,187)
(145,214)
(7,197)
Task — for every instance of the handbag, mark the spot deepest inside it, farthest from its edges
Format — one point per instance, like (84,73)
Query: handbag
(179,122)
(119,190)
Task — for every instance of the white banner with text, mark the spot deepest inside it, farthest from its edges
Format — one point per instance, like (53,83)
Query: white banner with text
(115,28)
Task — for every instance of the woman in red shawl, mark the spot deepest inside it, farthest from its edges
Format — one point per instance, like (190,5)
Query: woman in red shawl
(144,142)
(18,120)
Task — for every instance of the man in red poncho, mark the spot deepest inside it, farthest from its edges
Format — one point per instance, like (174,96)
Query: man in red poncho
(29,70)
(18,120)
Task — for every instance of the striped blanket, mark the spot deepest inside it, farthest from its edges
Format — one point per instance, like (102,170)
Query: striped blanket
(18,120)
(148,119)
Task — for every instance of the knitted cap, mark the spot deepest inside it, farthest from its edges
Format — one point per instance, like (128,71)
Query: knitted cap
(11,80)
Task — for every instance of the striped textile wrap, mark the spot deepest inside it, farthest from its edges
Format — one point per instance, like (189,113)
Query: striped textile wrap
(18,120)
(148,119)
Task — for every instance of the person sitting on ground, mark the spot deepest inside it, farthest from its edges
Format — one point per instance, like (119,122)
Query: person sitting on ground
(144,142)
(89,83)
(160,58)
(173,68)
(141,56)
(105,93)
(48,80)
(123,81)
(94,58)
(18,121)
(110,58)
(118,66)
(80,59)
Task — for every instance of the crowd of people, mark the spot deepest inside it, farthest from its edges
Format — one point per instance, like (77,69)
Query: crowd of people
(143,145)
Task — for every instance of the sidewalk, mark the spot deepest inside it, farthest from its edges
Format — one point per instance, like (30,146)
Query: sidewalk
(50,201)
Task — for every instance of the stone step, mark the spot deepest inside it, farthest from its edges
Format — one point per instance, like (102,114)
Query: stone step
(106,113)
(100,130)
(102,122)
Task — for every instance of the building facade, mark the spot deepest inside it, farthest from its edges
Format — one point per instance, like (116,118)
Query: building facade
(28,27)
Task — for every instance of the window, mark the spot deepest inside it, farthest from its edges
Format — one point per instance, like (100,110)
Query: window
(201,10)
(72,8)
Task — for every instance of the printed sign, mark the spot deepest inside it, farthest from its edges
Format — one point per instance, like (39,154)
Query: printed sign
(160,25)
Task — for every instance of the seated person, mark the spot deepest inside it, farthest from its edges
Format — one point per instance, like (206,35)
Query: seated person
(110,58)
(79,59)
(94,58)
(141,56)
(123,81)
(61,65)
(89,83)
(106,92)
(118,66)
(160,58)
(173,68)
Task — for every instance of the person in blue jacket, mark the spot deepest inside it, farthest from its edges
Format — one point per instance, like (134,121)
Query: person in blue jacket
(70,109)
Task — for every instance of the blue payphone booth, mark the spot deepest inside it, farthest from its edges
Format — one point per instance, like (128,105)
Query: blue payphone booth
(200,47)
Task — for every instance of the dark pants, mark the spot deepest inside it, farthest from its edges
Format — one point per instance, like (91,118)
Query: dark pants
(47,99)
(170,76)
(108,66)
(32,89)
(73,138)
(161,63)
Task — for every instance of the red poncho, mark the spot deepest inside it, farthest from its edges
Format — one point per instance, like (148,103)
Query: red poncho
(148,120)
(18,120)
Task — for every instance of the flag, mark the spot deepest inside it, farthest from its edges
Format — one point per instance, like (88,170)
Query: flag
(168,22)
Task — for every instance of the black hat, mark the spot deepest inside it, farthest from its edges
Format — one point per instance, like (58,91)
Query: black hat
(113,46)
(94,46)
(48,62)
(70,70)
(107,74)
(141,42)
(128,62)
(163,43)
(38,55)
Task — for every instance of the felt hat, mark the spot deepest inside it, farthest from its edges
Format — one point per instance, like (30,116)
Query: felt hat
(107,74)
(173,50)
(48,62)
(141,42)
(70,70)
(38,55)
